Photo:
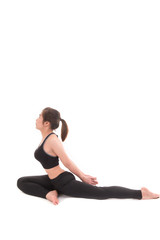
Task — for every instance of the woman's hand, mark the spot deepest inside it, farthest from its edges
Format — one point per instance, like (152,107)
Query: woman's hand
(89,179)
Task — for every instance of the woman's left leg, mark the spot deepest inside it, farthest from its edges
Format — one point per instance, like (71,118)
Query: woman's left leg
(38,186)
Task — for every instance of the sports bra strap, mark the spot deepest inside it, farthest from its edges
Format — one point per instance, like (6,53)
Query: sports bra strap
(46,138)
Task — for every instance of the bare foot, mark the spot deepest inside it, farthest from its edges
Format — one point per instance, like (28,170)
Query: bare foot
(146,194)
(53,197)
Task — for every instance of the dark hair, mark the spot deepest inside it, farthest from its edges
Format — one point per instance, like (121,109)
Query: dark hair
(53,116)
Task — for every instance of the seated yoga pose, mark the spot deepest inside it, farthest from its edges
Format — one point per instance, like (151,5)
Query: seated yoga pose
(58,181)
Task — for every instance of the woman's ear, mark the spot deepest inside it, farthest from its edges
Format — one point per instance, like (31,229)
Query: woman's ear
(47,124)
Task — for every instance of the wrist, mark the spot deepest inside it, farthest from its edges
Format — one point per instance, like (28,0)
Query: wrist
(82,176)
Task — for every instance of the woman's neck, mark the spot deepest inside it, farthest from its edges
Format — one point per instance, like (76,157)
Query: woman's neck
(45,133)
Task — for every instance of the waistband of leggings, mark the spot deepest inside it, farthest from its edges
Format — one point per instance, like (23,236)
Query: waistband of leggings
(61,175)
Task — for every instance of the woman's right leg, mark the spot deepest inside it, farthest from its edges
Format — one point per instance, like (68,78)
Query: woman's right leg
(68,185)
(38,186)
(74,188)
(80,189)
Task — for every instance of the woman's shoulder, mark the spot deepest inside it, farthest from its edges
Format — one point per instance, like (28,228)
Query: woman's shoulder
(54,134)
(52,137)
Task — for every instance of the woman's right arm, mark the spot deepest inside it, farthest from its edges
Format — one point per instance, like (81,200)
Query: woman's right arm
(58,148)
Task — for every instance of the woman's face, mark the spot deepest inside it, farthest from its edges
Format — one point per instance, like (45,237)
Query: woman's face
(39,122)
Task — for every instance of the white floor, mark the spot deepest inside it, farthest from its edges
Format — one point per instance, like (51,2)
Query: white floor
(26,217)
(97,62)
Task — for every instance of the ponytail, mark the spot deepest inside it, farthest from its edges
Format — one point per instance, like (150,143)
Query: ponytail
(64,130)
(53,116)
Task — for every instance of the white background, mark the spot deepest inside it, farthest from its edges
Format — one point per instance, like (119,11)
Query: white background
(97,62)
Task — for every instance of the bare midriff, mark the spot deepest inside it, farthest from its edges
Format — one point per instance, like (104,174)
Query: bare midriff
(54,172)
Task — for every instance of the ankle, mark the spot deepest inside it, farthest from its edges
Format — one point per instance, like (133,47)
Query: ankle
(51,194)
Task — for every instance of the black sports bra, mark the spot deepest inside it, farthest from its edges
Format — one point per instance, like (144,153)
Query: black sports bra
(44,158)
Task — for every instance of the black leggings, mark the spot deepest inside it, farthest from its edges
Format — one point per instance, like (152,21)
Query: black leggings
(66,184)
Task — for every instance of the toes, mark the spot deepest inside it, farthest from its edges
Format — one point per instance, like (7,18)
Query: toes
(55,201)
(156,196)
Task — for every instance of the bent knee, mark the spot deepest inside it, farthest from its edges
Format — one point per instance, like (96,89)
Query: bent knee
(20,182)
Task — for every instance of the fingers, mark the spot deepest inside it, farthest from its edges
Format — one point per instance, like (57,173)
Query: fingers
(94,184)
(93,178)
(94,181)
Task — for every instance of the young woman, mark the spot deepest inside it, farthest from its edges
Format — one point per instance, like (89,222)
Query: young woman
(57,181)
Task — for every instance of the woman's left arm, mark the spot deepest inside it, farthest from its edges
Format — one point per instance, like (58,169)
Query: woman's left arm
(58,148)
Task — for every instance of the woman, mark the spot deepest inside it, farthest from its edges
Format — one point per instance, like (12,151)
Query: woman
(57,181)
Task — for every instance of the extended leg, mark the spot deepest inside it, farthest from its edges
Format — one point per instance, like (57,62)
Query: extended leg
(76,188)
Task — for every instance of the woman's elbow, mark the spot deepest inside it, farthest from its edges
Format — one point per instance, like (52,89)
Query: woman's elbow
(67,164)
(66,161)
